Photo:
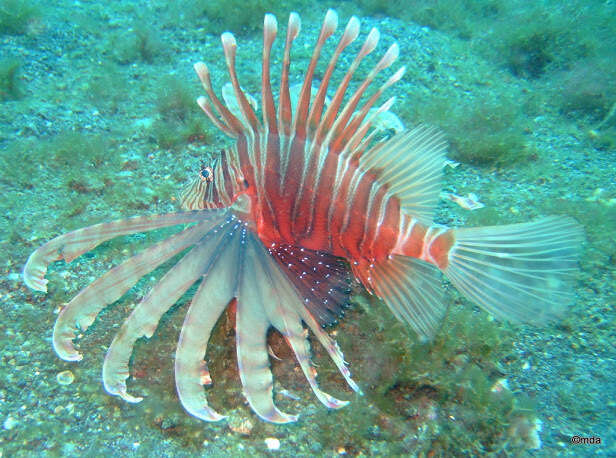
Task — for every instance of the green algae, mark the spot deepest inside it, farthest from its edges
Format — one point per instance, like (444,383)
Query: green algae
(107,87)
(17,15)
(588,88)
(76,151)
(434,394)
(546,41)
(140,43)
(68,160)
(10,85)
(488,129)
(460,17)
(239,16)
(180,120)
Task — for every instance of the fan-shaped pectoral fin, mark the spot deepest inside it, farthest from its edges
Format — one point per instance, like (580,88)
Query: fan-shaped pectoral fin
(191,372)
(331,346)
(301,348)
(144,319)
(281,300)
(252,325)
(75,243)
(81,311)
(217,289)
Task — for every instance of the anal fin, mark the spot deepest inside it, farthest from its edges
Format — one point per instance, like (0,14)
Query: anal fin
(410,287)
(322,280)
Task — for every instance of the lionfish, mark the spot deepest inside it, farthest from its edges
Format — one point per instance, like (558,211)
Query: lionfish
(307,195)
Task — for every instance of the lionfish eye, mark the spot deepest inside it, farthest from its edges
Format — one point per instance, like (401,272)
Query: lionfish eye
(206,174)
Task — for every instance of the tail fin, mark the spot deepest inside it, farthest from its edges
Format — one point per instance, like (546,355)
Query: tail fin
(519,271)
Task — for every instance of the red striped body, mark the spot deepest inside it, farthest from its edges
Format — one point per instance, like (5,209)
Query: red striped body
(339,208)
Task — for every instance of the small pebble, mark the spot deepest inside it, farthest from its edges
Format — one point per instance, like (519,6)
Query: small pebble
(240,425)
(10,423)
(272,443)
(65,377)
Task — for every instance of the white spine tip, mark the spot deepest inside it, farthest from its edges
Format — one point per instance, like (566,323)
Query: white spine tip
(393,51)
(201,69)
(68,354)
(228,40)
(330,23)
(295,24)
(269,23)
(387,105)
(399,74)
(371,41)
(202,101)
(352,28)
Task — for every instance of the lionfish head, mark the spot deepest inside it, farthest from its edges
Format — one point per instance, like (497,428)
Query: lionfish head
(204,189)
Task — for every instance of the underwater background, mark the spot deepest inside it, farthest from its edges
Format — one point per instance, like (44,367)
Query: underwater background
(98,121)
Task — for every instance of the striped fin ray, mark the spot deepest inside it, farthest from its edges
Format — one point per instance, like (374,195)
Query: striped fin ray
(316,110)
(410,164)
(412,290)
(73,244)
(334,130)
(323,159)
(191,372)
(252,324)
(331,112)
(82,310)
(331,346)
(229,46)
(285,311)
(340,130)
(356,130)
(284,104)
(270,29)
(278,294)
(144,319)
(330,23)
(267,297)
(296,160)
(217,289)
(321,279)
(316,152)
(521,271)
(228,122)
(360,130)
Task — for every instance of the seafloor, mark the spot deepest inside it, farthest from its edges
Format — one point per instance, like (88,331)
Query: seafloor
(97,122)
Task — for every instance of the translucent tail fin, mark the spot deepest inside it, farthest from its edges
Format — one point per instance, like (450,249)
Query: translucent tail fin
(519,271)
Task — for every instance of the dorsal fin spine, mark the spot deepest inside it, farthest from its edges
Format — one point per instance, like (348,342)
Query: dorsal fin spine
(299,161)
(317,152)
(316,110)
(229,118)
(284,103)
(327,29)
(270,29)
(332,110)
(339,130)
(229,46)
